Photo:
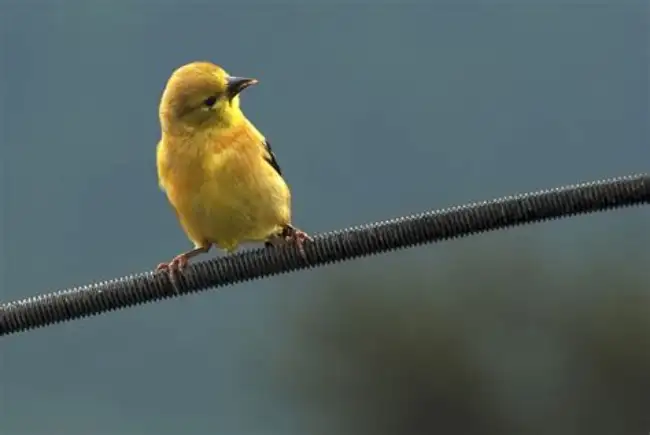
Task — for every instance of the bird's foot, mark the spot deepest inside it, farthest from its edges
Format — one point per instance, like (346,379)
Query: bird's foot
(177,264)
(292,235)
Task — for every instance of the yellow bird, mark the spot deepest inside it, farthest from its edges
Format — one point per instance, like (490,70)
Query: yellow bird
(217,169)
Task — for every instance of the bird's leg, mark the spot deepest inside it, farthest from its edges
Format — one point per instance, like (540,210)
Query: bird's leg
(180,261)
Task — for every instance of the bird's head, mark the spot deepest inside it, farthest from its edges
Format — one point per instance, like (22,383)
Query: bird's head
(202,94)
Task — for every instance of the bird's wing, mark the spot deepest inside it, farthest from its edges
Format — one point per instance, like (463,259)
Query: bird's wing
(270,157)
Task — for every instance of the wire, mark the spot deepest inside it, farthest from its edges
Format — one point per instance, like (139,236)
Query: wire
(327,248)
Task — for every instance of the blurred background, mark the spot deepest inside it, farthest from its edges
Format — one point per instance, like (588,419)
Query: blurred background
(374,111)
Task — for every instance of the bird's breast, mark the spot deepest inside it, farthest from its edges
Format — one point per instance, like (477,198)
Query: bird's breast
(225,192)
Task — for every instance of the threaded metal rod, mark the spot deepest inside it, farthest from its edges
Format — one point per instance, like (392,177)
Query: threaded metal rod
(327,248)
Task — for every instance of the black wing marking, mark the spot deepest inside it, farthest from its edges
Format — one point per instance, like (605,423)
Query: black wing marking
(271,157)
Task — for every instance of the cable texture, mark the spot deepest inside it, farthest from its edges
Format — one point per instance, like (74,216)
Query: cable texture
(327,248)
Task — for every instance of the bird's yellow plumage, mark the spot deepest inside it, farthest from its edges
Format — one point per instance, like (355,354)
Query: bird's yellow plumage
(217,169)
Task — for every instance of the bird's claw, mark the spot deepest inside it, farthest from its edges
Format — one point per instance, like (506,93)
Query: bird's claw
(293,236)
(177,264)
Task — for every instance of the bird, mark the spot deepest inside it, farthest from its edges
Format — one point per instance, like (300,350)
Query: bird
(217,170)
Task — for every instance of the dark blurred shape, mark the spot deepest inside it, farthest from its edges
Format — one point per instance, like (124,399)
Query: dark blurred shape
(487,345)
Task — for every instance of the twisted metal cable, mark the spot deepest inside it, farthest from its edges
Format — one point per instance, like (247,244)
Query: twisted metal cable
(327,248)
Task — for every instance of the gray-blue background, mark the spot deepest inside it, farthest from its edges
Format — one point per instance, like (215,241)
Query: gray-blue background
(374,111)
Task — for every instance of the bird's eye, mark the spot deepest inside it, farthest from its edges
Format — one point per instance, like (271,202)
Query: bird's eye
(210,101)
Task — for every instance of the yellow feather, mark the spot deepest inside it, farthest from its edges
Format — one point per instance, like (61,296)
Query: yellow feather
(212,164)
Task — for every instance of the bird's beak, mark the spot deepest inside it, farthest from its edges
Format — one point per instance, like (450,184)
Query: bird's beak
(237,84)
